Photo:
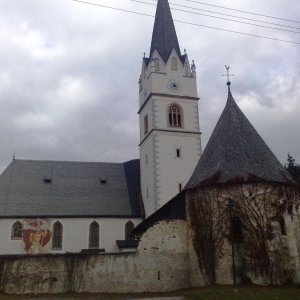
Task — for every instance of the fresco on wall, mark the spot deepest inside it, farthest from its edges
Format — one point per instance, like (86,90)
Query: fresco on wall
(36,235)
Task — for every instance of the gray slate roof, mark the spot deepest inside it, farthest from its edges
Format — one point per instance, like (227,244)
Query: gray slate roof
(236,153)
(164,38)
(76,189)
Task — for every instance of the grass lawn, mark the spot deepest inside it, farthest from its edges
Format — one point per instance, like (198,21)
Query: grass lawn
(243,293)
(206,293)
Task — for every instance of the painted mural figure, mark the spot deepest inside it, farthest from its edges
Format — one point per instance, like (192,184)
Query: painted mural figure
(36,235)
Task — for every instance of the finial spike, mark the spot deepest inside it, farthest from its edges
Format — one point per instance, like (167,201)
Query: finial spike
(14,154)
(228,76)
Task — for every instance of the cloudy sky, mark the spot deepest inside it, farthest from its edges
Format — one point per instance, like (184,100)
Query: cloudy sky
(69,74)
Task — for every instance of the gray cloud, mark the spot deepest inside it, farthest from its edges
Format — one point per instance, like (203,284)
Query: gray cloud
(69,72)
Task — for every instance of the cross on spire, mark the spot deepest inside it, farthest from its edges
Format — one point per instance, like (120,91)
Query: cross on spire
(228,76)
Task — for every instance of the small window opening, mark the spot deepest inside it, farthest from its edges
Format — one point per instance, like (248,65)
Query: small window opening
(146,124)
(282,225)
(57,236)
(186,69)
(94,235)
(178,153)
(156,61)
(103,181)
(180,187)
(128,229)
(146,159)
(47,180)
(237,233)
(174,64)
(16,231)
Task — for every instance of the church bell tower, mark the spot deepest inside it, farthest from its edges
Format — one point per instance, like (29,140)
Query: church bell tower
(170,138)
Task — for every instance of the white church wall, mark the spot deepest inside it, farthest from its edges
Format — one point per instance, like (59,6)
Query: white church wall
(147,162)
(158,81)
(172,170)
(190,117)
(160,264)
(75,235)
(7,244)
(149,112)
(163,173)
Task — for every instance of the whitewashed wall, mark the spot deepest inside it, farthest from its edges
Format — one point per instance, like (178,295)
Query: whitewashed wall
(75,234)
(161,171)
(160,264)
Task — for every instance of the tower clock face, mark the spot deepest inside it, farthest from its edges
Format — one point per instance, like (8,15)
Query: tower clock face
(174,86)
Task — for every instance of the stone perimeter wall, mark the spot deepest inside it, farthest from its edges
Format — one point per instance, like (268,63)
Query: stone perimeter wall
(160,264)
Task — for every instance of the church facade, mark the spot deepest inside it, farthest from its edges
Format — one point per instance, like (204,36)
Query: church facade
(168,221)
(59,207)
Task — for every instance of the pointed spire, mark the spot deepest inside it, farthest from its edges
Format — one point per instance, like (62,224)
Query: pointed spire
(235,153)
(164,38)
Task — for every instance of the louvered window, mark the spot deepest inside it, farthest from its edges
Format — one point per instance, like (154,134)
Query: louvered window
(175,115)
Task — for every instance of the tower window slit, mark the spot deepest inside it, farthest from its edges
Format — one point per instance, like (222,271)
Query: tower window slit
(180,187)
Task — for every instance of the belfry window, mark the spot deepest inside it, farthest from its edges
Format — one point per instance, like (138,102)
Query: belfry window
(174,64)
(157,67)
(145,124)
(175,115)
(16,231)
(94,236)
(57,236)
(128,229)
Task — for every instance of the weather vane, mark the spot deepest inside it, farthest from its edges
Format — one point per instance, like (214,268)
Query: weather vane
(228,76)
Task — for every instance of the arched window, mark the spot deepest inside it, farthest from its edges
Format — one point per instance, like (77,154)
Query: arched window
(16,231)
(282,225)
(156,61)
(146,124)
(57,236)
(175,115)
(128,229)
(174,64)
(94,236)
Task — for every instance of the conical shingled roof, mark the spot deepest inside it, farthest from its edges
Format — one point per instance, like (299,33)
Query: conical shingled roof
(236,153)
(164,38)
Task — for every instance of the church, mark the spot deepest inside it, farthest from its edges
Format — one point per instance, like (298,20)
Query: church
(78,206)
(166,221)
